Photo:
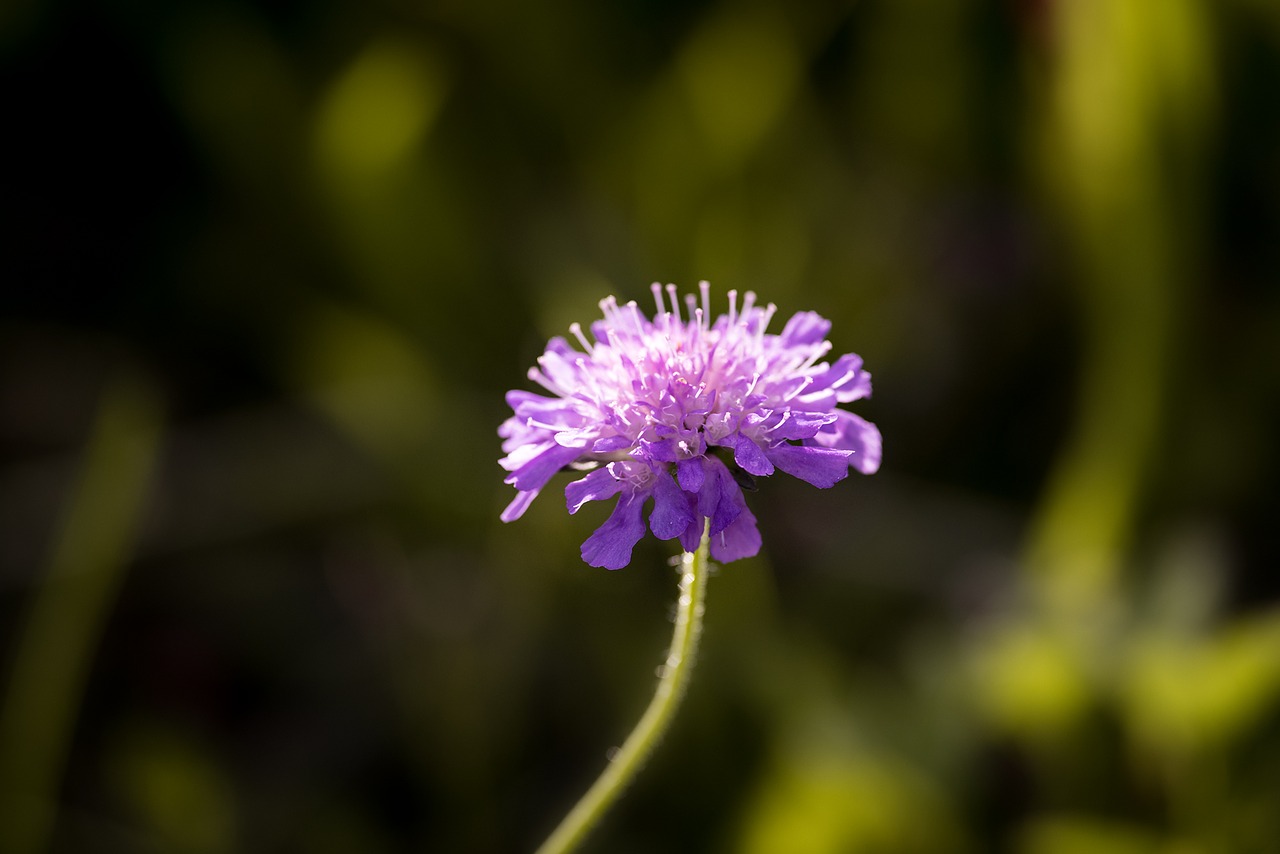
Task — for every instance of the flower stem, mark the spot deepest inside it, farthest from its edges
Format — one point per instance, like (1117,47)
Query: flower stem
(673,677)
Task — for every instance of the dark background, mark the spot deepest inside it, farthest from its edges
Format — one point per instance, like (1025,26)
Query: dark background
(268,270)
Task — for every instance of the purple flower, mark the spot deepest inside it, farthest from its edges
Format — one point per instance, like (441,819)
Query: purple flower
(684,410)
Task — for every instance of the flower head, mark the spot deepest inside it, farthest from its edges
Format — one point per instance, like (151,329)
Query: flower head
(684,409)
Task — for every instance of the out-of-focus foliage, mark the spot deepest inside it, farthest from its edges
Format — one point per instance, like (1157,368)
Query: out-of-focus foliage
(269,269)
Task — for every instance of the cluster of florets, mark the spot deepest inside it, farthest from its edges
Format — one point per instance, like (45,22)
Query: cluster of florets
(684,410)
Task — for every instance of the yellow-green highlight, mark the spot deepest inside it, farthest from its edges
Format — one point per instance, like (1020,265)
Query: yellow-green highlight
(69,609)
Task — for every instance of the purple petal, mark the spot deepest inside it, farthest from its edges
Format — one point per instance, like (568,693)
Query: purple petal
(662,451)
(741,539)
(708,497)
(691,475)
(611,544)
(517,398)
(518,505)
(516,432)
(805,327)
(561,347)
(845,370)
(609,444)
(823,467)
(854,434)
(727,495)
(818,401)
(748,455)
(597,486)
(532,466)
(671,511)
(580,438)
(802,425)
(600,331)
(691,538)
(545,410)
(558,368)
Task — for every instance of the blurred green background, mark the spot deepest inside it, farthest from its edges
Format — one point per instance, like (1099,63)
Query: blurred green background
(269,268)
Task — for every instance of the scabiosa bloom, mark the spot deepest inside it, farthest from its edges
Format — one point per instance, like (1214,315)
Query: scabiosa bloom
(684,410)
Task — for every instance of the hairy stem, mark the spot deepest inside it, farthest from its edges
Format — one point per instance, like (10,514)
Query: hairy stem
(672,680)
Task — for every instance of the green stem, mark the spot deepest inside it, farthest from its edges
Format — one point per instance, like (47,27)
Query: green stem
(672,679)
(69,609)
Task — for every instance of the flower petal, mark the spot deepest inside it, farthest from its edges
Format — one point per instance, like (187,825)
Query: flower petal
(662,451)
(518,505)
(823,467)
(747,454)
(801,425)
(552,411)
(690,475)
(855,434)
(597,486)
(805,327)
(845,376)
(692,536)
(611,544)
(532,468)
(727,495)
(671,513)
(741,539)
(609,444)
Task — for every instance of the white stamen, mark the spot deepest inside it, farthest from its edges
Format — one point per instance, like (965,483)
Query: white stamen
(545,381)
(634,313)
(769,311)
(675,303)
(818,352)
(576,329)
(656,290)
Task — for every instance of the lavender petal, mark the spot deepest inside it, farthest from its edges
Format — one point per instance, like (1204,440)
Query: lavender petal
(748,455)
(822,467)
(671,513)
(611,544)
(740,539)
(597,486)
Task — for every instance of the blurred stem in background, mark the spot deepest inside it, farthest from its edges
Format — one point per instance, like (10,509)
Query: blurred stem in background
(1128,108)
(54,652)
(1131,99)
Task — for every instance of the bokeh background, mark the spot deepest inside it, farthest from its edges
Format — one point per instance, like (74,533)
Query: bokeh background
(268,269)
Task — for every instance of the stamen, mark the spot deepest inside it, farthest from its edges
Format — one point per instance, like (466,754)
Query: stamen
(808,381)
(675,303)
(769,311)
(656,289)
(818,352)
(545,381)
(634,313)
(576,329)
(705,287)
(609,308)
(765,317)
(733,307)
